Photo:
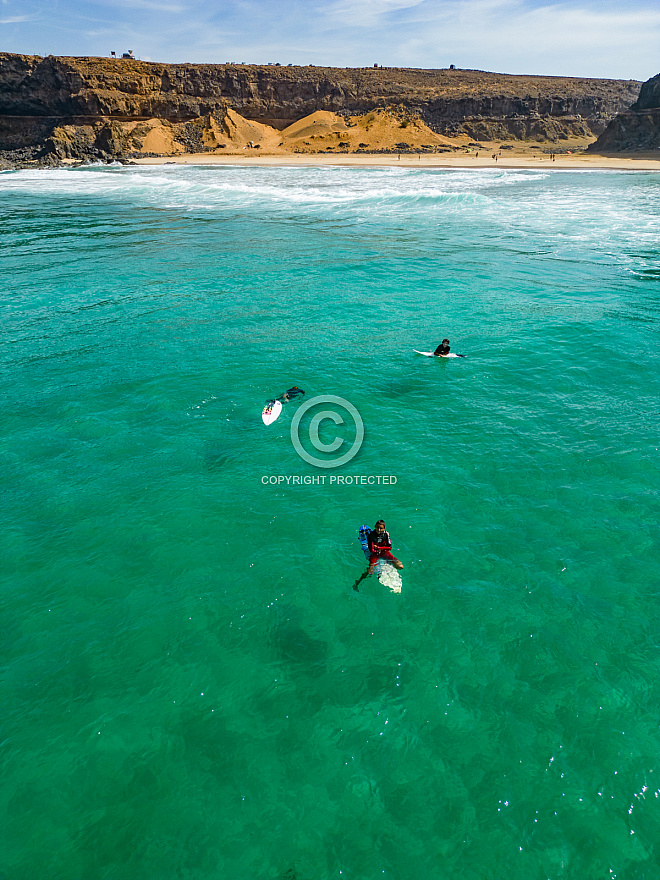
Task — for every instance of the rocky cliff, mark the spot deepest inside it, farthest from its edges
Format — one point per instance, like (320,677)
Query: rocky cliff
(637,129)
(99,107)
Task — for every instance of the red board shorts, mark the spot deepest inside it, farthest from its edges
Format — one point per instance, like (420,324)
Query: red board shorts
(384,554)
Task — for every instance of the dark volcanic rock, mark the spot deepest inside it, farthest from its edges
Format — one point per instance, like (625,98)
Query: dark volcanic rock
(636,130)
(649,95)
(40,96)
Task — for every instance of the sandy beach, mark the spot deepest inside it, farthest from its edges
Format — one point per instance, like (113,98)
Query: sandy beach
(407,160)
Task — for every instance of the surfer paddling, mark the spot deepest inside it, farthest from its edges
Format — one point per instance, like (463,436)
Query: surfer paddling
(380,549)
(290,394)
(273,407)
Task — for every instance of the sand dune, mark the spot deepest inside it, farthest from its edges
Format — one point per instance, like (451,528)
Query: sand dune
(320,132)
(160,138)
(239,133)
(319,124)
(377,130)
(378,137)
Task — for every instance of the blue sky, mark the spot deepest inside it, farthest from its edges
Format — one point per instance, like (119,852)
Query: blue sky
(571,38)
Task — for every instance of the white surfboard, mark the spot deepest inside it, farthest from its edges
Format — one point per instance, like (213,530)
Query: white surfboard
(389,576)
(430,354)
(271,411)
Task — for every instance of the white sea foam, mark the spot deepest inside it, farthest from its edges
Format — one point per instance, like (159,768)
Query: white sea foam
(585,211)
(214,187)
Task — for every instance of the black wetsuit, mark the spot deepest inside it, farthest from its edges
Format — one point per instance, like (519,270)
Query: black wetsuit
(291,393)
(441,349)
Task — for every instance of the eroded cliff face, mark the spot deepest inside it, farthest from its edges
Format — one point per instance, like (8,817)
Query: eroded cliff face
(86,107)
(637,129)
(649,95)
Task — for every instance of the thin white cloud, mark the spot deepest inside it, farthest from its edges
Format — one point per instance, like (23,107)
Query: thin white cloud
(554,37)
(507,28)
(563,20)
(366,13)
(16,19)
(573,39)
(158,7)
(151,5)
(465,18)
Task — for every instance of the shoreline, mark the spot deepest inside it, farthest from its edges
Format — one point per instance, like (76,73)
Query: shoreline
(422,160)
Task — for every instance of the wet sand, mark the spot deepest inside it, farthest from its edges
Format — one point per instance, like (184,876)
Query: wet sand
(641,162)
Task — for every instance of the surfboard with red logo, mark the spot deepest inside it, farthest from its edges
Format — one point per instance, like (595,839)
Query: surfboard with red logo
(271,411)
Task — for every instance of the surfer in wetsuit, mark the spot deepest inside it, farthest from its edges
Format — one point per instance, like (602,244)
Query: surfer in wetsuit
(290,394)
(443,350)
(380,547)
(267,413)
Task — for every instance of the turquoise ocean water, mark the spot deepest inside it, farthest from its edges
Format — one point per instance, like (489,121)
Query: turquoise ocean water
(190,687)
